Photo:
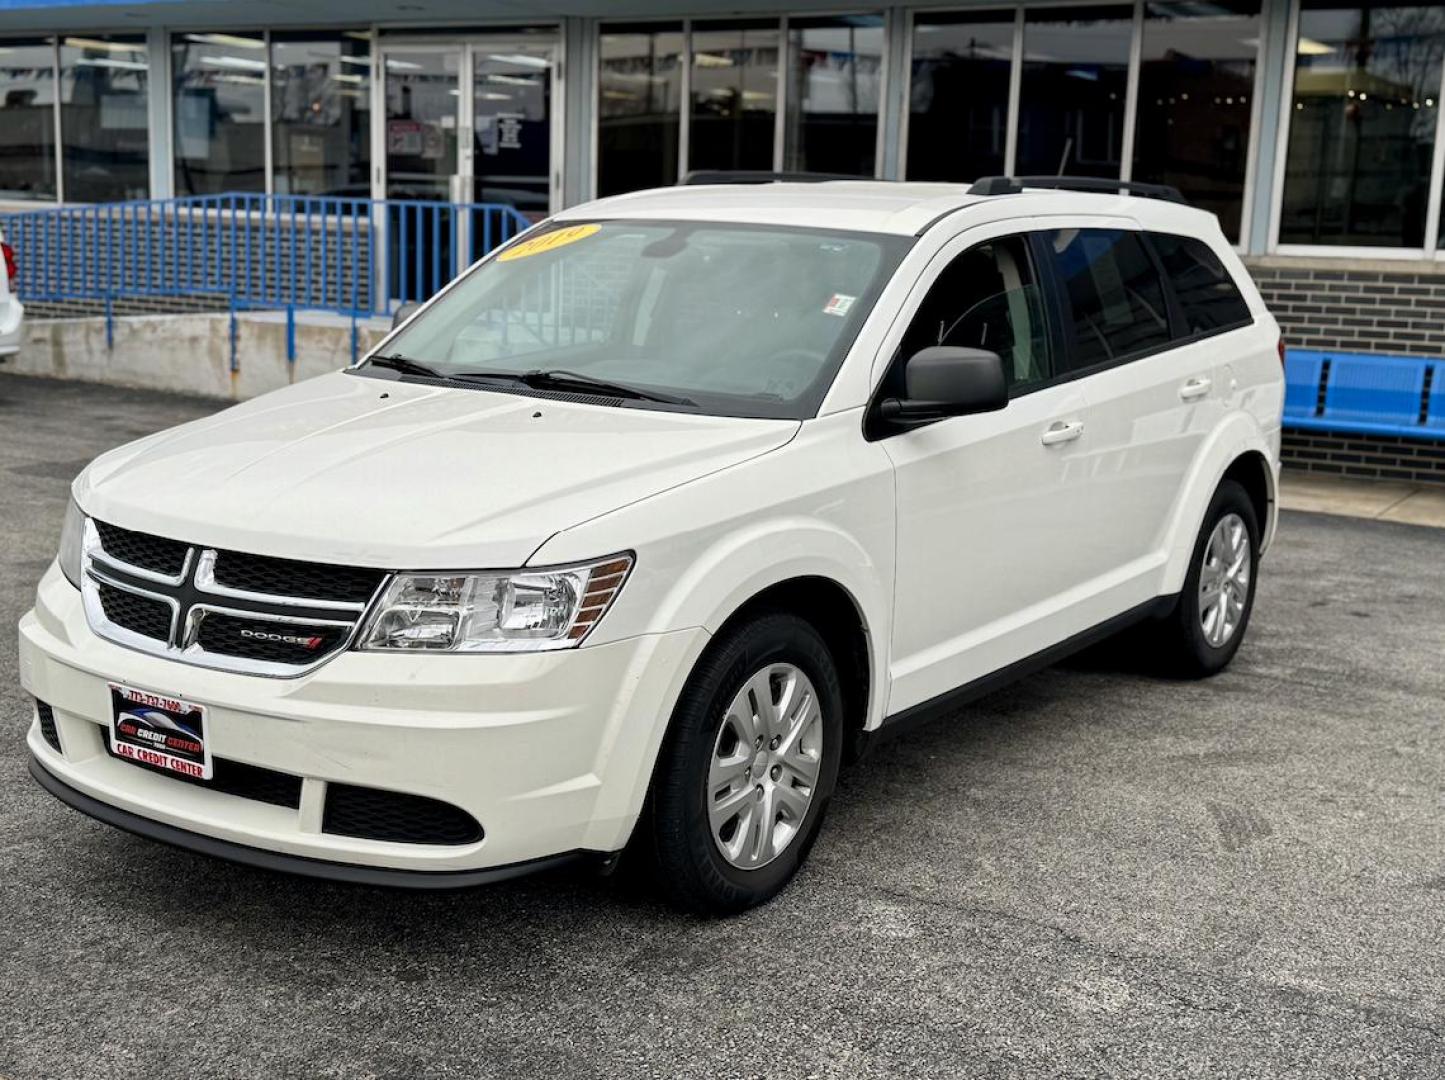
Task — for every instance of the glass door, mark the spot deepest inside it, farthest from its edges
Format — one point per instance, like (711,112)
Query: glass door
(423,117)
(514,155)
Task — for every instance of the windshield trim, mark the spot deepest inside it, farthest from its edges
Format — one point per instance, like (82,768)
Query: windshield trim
(892,250)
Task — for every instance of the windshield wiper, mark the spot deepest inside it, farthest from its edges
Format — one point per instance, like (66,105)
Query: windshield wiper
(559,379)
(406,365)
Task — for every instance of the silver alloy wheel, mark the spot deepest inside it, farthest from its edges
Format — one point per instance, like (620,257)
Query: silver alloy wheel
(765,765)
(1224,580)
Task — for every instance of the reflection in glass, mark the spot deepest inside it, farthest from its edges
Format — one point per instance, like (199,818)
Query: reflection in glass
(421,123)
(958,112)
(835,68)
(220,112)
(104,124)
(321,113)
(1196,90)
(27,119)
(1071,107)
(1362,130)
(734,95)
(512,128)
(639,107)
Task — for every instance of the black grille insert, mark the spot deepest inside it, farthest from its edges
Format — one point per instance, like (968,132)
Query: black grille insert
(138,614)
(299,580)
(373,814)
(47,725)
(273,642)
(232,778)
(153,553)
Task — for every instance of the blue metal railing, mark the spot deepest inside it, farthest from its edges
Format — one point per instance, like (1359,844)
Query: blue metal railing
(353,257)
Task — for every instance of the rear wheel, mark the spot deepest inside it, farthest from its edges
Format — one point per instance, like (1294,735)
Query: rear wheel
(749,763)
(1208,624)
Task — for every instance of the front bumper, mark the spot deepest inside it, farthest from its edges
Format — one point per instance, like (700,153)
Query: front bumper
(550,752)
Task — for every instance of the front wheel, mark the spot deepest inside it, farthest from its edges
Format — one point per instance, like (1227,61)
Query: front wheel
(1208,624)
(747,768)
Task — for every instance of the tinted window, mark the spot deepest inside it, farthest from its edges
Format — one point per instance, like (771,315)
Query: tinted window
(988,298)
(1205,290)
(1113,292)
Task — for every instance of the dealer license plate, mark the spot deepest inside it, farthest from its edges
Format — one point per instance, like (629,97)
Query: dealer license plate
(162,732)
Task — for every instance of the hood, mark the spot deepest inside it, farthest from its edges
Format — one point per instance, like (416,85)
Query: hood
(372,472)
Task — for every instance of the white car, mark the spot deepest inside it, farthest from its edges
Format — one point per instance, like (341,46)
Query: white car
(12,311)
(651,520)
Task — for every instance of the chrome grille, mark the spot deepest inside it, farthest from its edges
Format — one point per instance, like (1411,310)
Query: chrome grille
(220,609)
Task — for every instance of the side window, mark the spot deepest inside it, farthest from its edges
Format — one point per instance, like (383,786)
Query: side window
(1113,291)
(1207,294)
(988,298)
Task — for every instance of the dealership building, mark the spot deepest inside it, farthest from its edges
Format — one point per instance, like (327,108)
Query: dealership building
(1312,128)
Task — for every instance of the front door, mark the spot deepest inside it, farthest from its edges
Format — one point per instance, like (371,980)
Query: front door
(988,505)
(514,159)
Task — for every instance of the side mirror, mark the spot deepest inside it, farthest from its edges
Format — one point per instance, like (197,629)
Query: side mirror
(946,380)
(406,311)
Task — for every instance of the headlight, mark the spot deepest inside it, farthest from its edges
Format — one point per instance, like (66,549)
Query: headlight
(499,611)
(72,537)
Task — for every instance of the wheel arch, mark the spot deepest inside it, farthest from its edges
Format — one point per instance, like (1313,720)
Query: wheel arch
(835,613)
(1237,451)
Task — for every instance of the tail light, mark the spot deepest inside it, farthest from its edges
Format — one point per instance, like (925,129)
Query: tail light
(12,269)
(1281,352)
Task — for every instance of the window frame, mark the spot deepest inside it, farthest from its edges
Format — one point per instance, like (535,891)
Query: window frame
(702,21)
(1433,248)
(1240,243)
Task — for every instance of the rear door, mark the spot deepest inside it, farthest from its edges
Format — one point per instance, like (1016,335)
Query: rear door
(1152,402)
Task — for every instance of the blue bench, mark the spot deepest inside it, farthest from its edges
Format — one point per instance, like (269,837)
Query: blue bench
(1371,395)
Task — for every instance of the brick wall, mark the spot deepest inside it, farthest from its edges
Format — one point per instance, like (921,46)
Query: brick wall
(1364,307)
(1384,307)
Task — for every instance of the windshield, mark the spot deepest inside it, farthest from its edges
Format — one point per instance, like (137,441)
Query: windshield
(731,320)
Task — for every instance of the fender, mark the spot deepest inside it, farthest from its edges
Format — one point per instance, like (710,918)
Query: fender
(1238,435)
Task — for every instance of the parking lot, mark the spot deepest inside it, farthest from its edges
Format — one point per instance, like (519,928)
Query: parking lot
(1094,873)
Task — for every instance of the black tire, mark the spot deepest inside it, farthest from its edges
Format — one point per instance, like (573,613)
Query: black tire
(688,868)
(1183,648)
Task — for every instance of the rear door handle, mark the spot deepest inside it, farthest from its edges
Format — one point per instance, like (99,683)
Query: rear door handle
(1061,431)
(1195,388)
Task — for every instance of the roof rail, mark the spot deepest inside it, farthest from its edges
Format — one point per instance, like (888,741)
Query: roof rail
(1013,185)
(748,176)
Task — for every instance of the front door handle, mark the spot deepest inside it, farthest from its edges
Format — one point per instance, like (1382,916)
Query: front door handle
(1061,431)
(1195,388)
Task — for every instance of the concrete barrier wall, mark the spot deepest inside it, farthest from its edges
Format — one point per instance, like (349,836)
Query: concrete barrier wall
(190,354)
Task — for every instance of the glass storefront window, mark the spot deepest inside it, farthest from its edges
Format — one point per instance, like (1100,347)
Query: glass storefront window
(220,112)
(27,119)
(1362,126)
(1196,93)
(835,68)
(958,95)
(512,126)
(1071,104)
(734,95)
(321,113)
(639,107)
(104,118)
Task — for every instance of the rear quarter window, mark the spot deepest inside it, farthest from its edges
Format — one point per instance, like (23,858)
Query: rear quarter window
(1208,297)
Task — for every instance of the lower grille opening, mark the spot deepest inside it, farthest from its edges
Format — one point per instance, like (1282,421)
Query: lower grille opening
(48,729)
(374,814)
(138,614)
(232,778)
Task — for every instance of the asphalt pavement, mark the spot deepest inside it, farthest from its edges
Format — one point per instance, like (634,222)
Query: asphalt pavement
(1094,873)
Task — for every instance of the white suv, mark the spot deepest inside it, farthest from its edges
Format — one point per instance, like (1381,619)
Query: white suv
(651,520)
(12,311)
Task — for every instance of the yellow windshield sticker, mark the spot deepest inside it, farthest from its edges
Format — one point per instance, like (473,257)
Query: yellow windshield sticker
(548,242)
